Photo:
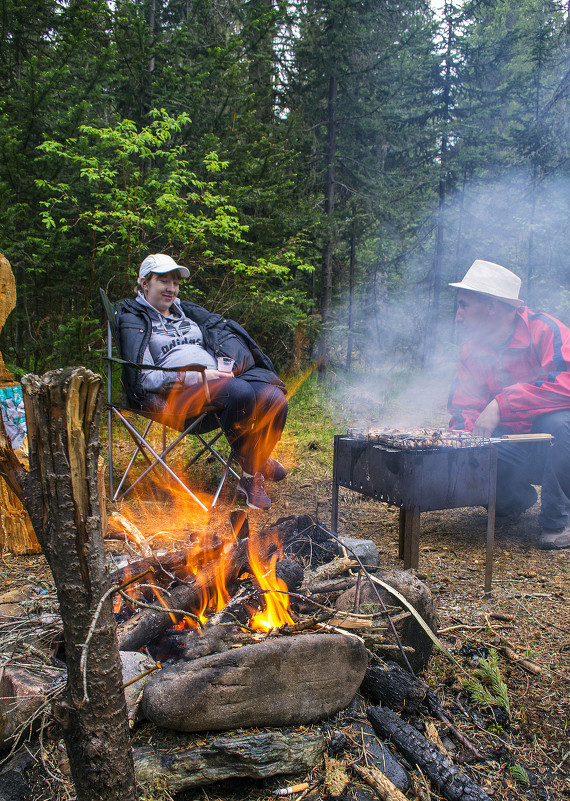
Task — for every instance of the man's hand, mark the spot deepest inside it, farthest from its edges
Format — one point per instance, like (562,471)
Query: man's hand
(488,420)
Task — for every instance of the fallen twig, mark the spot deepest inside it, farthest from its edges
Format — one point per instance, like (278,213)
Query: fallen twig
(381,785)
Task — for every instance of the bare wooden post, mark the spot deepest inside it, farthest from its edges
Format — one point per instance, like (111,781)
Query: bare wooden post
(61,495)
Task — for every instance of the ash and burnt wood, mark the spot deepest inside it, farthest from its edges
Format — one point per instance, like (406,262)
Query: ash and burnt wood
(256,756)
(302,539)
(281,681)
(451,782)
(61,495)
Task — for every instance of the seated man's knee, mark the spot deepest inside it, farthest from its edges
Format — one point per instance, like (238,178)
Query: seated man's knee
(555,423)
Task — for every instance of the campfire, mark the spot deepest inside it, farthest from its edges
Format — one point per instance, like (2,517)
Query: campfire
(251,609)
(254,627)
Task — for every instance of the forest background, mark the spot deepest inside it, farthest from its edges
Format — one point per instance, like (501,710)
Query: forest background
(323,167)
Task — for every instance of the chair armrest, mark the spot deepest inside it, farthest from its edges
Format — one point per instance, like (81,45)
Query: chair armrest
(187,368)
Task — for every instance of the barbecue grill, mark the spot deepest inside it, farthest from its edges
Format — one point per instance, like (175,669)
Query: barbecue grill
(418,473)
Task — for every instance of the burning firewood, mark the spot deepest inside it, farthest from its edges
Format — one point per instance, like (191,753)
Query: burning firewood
(118,525)
(146,625)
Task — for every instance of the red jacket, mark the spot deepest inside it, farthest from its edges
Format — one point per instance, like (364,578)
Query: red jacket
(528,376)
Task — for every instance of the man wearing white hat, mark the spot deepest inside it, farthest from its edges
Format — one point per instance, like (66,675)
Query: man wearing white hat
(514,377)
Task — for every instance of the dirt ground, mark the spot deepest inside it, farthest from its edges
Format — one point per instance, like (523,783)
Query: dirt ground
(531,589)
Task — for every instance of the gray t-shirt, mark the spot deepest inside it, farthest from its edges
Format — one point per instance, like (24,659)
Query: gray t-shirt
(175,341)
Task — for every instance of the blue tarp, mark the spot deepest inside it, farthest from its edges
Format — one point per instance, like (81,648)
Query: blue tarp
(13,412)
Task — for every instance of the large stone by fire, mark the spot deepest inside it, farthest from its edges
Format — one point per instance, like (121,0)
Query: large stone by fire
(285,681)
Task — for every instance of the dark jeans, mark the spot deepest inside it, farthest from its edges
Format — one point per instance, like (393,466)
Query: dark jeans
(252,415)
(520,465)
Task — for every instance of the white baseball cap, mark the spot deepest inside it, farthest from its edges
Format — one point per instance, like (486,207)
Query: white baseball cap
(161,263)
(489,278)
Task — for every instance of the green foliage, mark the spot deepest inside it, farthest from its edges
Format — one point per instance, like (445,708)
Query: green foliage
(230,174)
(519,774)
(493,692)
(128,191)
(128,188)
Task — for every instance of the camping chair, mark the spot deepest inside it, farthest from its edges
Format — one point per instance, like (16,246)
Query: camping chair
(206,422)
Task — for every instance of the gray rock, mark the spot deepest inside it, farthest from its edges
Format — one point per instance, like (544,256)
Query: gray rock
(13,781)
(365,550)
(22,693)
(285,681)
(134,663)
(409,630)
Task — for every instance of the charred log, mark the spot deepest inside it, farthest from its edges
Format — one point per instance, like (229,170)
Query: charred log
(452,783)
(253,755)
(393,686)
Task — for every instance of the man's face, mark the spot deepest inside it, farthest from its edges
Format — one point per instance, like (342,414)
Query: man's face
(472,315)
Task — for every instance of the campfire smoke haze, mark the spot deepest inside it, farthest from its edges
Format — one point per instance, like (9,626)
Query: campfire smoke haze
(507,222)
(388,385)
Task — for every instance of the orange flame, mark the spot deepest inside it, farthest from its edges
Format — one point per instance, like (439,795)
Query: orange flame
(276,612)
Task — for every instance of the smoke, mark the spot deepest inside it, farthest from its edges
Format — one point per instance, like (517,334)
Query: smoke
(393,381)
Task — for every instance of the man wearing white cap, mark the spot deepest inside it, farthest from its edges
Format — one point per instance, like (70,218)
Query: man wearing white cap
(513,377)
(159,330)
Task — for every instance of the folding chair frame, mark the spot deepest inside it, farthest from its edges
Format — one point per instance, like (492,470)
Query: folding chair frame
(154,458)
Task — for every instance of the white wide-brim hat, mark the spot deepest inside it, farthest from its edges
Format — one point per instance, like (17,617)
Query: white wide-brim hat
(489,278)
(161,263)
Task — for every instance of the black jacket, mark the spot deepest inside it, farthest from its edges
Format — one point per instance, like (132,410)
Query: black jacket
(222,337)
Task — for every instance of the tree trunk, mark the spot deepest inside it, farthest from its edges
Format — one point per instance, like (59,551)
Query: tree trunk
(327,257)
(61,495)
(350,339)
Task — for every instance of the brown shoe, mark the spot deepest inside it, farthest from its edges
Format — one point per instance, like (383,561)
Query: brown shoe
(253,487)
(554,540)
(273,470)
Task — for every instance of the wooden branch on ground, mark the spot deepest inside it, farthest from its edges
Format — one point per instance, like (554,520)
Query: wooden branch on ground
(382,786)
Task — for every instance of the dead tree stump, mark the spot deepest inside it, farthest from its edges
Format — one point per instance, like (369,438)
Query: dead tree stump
(61,495)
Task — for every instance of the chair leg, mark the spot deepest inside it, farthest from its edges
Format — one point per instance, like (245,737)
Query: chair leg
(110,446)
(158,461)
(167,450)
(208,446)
(138,450)
(223,479)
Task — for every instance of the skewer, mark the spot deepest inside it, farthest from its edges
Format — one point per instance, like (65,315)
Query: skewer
(437,439)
